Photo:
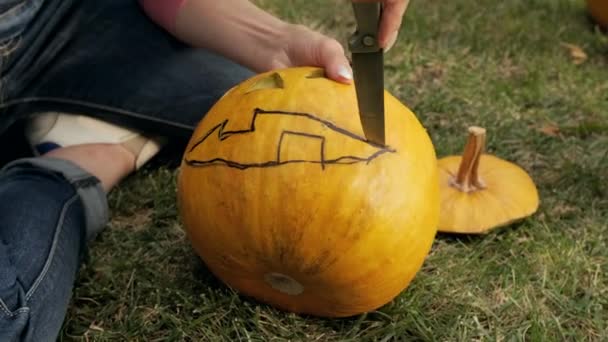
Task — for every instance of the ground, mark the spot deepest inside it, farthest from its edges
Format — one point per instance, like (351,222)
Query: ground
(535,74)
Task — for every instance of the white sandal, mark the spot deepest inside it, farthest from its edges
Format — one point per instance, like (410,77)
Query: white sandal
(50,130)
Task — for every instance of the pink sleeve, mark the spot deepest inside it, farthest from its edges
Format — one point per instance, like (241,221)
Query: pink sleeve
(162,12)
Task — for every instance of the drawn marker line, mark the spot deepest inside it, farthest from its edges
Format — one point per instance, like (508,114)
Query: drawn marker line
(223,134)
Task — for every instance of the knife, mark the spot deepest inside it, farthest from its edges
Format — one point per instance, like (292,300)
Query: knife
(368,69)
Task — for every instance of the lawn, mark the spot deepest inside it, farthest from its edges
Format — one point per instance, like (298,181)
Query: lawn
(535,74)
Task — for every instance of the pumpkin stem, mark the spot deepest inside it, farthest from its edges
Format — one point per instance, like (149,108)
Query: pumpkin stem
(468,179)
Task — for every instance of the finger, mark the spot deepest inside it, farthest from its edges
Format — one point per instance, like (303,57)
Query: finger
(391,41)
(334,61)
(391,20)
(392,17)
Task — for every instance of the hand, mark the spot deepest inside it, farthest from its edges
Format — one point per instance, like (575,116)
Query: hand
(305,47)
(390,22)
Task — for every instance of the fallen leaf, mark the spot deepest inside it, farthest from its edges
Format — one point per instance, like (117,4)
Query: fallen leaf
(576,52)
(550,130)
(95,327)
(562,210)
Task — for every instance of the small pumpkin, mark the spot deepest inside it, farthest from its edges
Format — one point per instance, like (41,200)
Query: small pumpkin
(599,11)
(480,192)
(286,201)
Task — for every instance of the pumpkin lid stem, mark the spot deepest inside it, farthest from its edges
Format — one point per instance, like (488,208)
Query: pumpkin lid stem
(467,179)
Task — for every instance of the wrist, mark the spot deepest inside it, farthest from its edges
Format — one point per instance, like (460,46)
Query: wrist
(271,48)
(162,12)
(236,29)
(281,49)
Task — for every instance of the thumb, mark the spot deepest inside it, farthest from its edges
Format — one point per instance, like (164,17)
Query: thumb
(334,61)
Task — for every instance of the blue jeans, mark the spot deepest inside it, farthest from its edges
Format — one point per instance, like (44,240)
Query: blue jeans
(98,58)
(47,208)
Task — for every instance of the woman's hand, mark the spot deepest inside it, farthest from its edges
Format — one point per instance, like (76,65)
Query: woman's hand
(390,22)
(305,47)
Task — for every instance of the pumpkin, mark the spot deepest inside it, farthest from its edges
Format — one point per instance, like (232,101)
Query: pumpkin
(599,11)
(480,192)
(286,202)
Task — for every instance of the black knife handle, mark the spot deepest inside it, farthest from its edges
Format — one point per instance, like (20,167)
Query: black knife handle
(365,38)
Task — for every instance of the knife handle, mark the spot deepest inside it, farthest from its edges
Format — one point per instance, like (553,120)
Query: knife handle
(365,38)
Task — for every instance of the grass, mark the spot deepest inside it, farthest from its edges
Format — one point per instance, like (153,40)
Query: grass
(499,64)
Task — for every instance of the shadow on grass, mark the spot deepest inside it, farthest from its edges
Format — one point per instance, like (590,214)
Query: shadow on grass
(201,274)
(464,238)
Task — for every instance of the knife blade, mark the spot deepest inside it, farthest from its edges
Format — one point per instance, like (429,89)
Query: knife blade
(368,70)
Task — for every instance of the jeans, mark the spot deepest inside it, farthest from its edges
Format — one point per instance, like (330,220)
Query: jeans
(103,59)
(43,228)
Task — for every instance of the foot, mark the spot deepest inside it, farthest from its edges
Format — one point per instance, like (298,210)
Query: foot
(109,152)
(49,131)
(110,163)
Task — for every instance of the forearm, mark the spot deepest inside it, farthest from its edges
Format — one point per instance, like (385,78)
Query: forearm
(236,29)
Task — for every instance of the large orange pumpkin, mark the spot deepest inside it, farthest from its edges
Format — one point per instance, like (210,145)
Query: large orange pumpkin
(599,11)
(286,201)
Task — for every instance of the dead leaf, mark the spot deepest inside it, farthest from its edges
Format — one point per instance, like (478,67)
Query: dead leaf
(550,130)
(576,52)
(95,327)
(562,210)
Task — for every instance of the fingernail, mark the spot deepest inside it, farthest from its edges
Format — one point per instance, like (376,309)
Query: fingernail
(345,72)
(391,41)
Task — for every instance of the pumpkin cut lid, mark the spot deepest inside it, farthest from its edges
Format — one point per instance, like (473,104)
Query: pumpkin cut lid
(480,192)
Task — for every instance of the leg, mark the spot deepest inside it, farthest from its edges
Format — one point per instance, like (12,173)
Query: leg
(121,67)
(111,62)
(107,151)
(47,206)
(110,163)
(108,60)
